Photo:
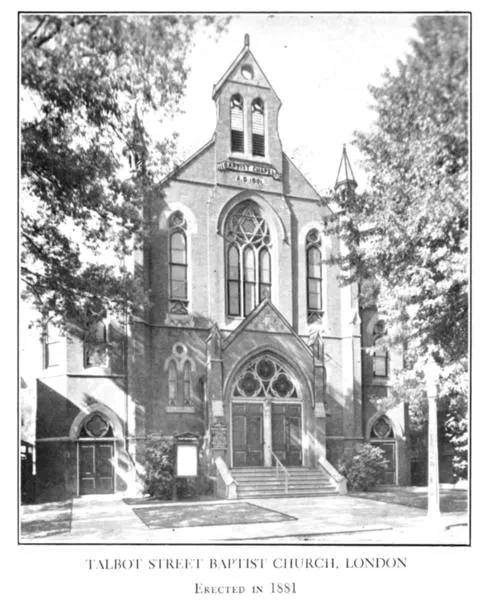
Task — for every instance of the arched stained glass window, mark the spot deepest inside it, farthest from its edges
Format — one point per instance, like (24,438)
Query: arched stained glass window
(178,265)
(314,276)
(257,123)
(237,123)
(248,259)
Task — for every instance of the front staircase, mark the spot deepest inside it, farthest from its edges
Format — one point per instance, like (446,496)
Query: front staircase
(259,482)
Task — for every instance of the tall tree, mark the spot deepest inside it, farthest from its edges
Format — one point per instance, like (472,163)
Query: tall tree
(408,234)
(87,83)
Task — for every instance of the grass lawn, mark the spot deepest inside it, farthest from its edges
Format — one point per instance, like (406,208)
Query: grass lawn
(451,500)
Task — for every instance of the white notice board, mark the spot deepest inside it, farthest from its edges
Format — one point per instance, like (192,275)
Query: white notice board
(186,461)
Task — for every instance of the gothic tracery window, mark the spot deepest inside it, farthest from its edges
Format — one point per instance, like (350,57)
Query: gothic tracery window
(178,266)
(265,377)
(314,276)
(248,259)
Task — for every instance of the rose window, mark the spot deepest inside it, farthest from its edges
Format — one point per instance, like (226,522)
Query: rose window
(265,377)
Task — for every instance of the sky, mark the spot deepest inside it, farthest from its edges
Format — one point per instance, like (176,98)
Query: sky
(320,65)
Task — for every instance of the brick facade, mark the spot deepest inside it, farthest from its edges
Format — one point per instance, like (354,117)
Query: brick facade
(325,360)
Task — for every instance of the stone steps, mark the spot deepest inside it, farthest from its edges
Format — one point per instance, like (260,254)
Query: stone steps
(262,482)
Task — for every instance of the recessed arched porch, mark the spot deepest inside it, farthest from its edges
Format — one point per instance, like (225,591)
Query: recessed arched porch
(267,414)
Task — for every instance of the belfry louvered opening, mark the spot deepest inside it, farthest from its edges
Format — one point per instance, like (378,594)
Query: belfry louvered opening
(257,119)
(236,123)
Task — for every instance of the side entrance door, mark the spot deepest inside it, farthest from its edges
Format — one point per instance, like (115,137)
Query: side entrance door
(286,430)
(247,434)
(96,467)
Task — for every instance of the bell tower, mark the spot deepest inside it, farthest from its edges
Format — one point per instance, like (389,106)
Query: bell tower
(247,145)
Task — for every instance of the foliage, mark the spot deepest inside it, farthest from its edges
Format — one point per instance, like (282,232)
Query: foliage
(366,469)
(160,475)
(407,236)
(88,82)
(160,467)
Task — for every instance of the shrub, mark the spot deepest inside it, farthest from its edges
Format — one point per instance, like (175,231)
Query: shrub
(160,463)
(366,469)
(160,474)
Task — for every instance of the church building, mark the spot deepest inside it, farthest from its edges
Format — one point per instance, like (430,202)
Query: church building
(250,346)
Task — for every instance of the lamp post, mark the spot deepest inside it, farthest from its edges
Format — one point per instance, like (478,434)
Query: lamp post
(431,379)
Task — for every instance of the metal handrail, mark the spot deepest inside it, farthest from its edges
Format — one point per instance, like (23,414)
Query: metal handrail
(280,465)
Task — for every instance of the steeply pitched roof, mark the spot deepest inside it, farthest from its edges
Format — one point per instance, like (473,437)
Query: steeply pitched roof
(245,57)
(265,317)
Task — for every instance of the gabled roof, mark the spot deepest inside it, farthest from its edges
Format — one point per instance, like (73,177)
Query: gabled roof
(265,318)
(180,168)
(245,56)
(297,184)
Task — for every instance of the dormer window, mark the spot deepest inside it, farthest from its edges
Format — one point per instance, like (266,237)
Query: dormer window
(257,120)
(237,123)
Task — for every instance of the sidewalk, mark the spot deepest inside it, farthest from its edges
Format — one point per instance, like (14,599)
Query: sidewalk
(323,520)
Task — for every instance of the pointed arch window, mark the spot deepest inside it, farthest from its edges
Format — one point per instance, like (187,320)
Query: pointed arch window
(264,274)
(187,384)
(248,259)
(380,355)
(382,436)
(178,265)
(172,384)
(237,123)
(314,276)
(257,124)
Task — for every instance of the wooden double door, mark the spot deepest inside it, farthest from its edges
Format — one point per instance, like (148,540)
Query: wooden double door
(286,430)
(248,433)
(96,467)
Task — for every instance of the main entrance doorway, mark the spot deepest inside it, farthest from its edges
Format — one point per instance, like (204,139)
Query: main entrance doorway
(247,431)
(286,431)
(96,456)
(266,415)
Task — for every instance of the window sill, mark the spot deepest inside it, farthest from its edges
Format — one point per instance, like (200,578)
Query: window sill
(180,409)
(178,320)
(385,381)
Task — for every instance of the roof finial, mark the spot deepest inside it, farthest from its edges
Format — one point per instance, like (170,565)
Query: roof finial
(246,40)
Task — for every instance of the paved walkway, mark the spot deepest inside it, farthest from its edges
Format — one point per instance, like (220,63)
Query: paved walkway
(325,519)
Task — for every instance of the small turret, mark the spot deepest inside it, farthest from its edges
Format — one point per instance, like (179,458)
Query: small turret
(345,177)
(136,149)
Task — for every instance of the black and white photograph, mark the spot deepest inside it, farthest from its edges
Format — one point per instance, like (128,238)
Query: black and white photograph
(244,283)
